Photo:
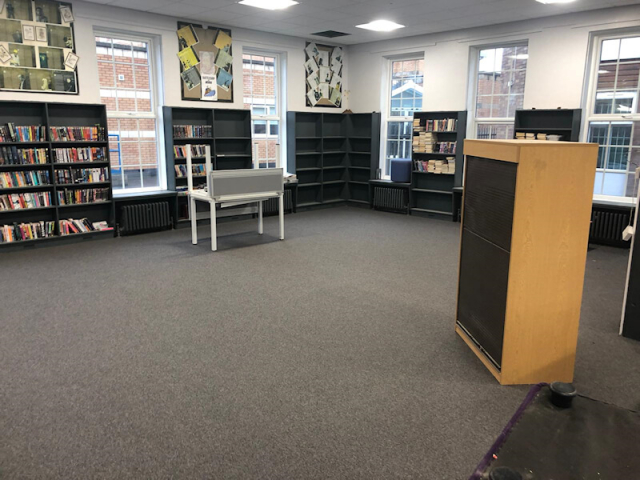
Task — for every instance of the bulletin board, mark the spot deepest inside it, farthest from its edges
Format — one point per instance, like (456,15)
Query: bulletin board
(323,66)
(206,63)
(37,47)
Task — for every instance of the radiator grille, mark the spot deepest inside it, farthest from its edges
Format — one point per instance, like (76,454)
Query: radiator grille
(385,198)
(147,217)
(270,207)
(607,226)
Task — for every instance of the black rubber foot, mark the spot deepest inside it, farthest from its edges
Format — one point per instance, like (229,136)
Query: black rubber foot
(562,394)
(504,473)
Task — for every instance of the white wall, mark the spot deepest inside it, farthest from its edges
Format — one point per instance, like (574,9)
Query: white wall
(558,54)
(89,16)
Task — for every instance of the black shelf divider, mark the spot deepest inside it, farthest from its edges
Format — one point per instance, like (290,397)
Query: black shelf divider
(319,147)
(50,114)
(432,193)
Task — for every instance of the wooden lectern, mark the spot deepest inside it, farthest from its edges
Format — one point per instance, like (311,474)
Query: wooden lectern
(524,236)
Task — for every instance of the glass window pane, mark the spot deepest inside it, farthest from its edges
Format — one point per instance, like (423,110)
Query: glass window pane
(630,49)
(610,50)
(500,83)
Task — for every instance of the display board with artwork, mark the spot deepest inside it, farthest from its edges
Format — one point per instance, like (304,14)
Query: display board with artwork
(323,65)
(37,47)
(206,63)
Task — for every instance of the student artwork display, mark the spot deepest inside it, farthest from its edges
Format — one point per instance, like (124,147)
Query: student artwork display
(37,47)
(323,65)
(206,63)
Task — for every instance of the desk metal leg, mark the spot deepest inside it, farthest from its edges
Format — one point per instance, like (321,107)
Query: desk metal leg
(281,214)
(194,221)
(214,235)
(260,223)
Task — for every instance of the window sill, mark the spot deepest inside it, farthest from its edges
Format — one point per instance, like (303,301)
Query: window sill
(615,201)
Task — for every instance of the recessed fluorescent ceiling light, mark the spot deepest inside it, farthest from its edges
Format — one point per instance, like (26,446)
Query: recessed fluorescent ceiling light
(269,4)
(555,1)
(380,26)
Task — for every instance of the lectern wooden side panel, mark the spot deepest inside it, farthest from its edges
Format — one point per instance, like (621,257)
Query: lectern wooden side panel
(525,227)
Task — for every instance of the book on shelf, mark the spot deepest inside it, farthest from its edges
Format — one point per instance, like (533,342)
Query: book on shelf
(180,151)
(82,196)
(33,178)
(72,226)
(19,232)
(437,166)
(32,133)
(11,155)
(68,176)
(192,131)
(443,125)
(24,201)
(424,142)
(181,170)
(95,133)
(79,154)
(447,147)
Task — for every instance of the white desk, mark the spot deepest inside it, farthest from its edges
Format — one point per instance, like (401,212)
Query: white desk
(228,188)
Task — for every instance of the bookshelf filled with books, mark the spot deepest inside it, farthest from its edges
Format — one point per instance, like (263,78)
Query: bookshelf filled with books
(548,124)
(438,161)
(55,178)
(333,155)
(226,131)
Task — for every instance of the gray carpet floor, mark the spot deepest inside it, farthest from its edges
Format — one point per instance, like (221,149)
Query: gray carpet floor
(330,355)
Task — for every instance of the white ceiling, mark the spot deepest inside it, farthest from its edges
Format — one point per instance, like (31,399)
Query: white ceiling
(426,16)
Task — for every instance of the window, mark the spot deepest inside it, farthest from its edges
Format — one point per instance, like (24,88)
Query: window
(261,94)
(614,114)
(126,75)
(499,90)
(405,97)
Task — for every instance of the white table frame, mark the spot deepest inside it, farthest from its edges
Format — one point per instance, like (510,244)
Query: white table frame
(225,201)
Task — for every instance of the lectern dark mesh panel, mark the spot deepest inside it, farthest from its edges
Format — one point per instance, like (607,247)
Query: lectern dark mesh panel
(489,194)
(482,299)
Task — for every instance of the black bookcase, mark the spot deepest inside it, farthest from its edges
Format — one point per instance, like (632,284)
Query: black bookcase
(562,122)
(230,143)
(432,193)
(333,155)
(57,115)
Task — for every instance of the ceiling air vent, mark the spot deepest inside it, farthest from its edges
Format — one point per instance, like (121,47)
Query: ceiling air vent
(330,34)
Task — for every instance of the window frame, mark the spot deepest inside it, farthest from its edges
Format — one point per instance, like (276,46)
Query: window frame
(473,122)
(589,104)
(280,105)
(155,89)
(386,117)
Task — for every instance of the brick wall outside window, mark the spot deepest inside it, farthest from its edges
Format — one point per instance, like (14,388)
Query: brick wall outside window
(125,88)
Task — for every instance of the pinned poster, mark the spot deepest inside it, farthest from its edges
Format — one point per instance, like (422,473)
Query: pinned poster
(186,37)
(207,63)
(191,77)
(313,81)
(223,42)
(209,88)
(311,66)
(224,80)
(188,58)
(336,59)
(312,50)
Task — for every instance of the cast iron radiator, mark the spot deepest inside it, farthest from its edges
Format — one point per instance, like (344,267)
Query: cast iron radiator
(270,207)
(147,217)
(386,198)
(607,226)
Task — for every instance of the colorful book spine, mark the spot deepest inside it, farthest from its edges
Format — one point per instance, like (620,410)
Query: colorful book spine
(24,201)
(80,154)
(10,155)
(69,176)
(81,196)
(19,232)
(34,178)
